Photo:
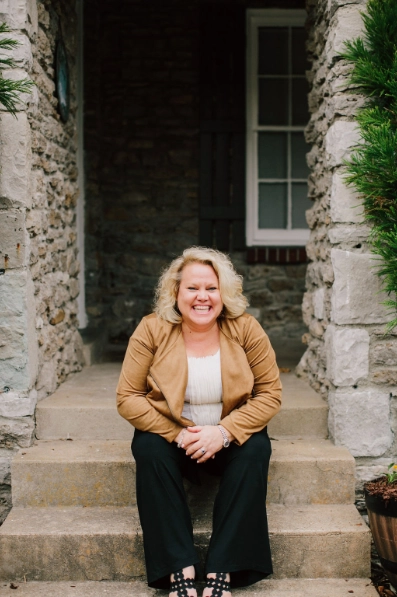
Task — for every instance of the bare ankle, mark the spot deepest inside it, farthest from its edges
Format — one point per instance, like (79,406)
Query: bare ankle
(182,583)
(217,585)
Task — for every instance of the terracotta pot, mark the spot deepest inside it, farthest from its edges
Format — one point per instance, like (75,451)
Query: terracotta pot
(383,523)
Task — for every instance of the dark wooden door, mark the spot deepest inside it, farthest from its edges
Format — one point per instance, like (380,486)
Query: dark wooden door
(222,126)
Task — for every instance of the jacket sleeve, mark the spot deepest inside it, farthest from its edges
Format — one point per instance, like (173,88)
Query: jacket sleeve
(265,402)
(132,387)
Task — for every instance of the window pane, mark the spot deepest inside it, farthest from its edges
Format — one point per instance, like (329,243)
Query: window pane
(300,110)
(272,205)
(299,149)
(300,203)
(272,155)
(273,51)
(299,62)
(273,101)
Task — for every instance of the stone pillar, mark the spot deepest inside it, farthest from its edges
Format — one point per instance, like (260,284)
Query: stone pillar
(18,340)
(39,340)
(346,359)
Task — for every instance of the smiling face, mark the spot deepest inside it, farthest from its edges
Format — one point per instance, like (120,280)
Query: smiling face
(199,299)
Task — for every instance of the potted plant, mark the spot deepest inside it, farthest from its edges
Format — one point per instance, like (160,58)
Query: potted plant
(381,501)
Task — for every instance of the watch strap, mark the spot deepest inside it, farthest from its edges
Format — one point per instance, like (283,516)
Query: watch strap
(226,440)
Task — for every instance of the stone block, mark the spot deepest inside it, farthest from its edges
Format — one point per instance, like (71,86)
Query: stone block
(347,351)
(318,303)
(47,379)
(18,306)
(360,421)
(13,239)
(366,472)
(22,53)
(12,286)
(16,432)
(385,376)
(356,292)
(340,138)
(13,404)
(346,24)
(384,353)
(349,234)
(12,340)
(15,158)
(335,4)
(345,203)
(20,14)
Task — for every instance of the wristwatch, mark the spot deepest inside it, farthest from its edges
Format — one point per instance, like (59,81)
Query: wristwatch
(226,440)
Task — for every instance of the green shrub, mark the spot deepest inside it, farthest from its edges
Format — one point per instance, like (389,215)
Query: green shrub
(10,90)
(372,168)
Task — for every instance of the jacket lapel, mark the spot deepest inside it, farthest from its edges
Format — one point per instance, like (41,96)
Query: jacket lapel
(237,377)
(169,370)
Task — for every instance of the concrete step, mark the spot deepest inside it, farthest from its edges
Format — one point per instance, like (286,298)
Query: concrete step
(351,587)
(84,408)
(47,544)
(303,413)
(102,473)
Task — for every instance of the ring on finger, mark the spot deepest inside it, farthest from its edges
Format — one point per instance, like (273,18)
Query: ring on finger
(203,450)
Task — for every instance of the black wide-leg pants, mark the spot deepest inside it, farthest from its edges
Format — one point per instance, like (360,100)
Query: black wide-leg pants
(240,540)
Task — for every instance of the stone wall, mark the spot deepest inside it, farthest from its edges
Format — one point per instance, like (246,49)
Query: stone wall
(39,342)
(51,221)
(348,359)
(275,295)
(142,164)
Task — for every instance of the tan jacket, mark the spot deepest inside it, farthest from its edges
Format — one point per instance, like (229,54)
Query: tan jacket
(152,384)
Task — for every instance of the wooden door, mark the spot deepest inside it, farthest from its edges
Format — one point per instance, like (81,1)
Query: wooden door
(222,126)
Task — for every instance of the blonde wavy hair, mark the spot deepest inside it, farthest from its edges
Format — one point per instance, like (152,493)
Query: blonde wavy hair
(230,284)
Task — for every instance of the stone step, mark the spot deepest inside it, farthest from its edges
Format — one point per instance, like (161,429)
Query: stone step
(102,473)
(351,587)
(303,413)
(47,544)
(84,408)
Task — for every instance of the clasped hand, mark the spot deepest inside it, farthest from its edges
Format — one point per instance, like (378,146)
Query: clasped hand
(207,437)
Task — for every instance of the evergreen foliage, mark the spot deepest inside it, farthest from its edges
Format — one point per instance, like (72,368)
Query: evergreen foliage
(372,168)
(10,90)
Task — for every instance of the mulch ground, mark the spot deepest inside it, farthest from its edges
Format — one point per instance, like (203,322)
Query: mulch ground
(380,487)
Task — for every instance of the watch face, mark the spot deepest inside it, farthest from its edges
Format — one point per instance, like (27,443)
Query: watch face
(62,80)
(226,443)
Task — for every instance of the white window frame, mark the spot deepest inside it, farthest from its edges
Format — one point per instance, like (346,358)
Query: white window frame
(264,236)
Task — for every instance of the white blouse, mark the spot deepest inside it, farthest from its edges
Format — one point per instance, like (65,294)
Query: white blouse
(203,398)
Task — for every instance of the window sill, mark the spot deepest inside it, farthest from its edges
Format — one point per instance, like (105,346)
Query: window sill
(277,255)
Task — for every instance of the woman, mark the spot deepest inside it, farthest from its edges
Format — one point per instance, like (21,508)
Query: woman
(200,383)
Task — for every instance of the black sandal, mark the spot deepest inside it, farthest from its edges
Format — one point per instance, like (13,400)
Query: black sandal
(180,584)
(218,584)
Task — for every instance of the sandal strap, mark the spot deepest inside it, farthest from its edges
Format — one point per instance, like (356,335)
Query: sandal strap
(180,584)
(218,584)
